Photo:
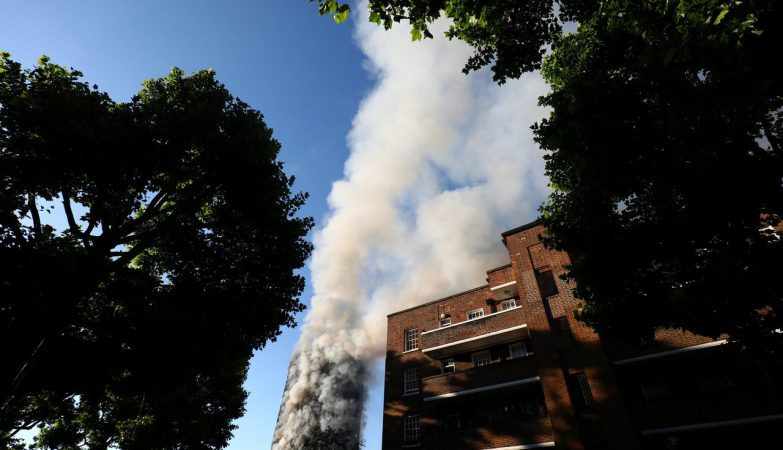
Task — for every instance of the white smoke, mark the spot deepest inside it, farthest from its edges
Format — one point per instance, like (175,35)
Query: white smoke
(440,164)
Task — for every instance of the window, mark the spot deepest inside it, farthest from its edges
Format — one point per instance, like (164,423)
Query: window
(532,408)
(508,304)
(563,330)
(580,392)
(410,431)
(445,322)
(448,366)
(546,283)
(481,358)
(452,422)
(411,339)
(475,314)
(411,381)
(517,350)
(710,380)
(653,387)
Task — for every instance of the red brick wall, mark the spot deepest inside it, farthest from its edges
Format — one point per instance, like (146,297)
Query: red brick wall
(500,275)
(499,372)
(612,422)
(505,435)
(609,423)
(477,327)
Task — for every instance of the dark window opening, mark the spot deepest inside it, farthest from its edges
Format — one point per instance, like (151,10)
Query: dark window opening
(452,422)
(581,395)
(712,380)
(653,387)
(546,283)
(562,329)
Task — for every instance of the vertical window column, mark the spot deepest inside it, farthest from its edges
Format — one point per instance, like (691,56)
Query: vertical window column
(411,381)
(580,392)
(410,432)
(411,339)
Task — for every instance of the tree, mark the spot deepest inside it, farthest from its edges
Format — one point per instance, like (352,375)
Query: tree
(666,165)
(509,35)
(133,325)
(663,151)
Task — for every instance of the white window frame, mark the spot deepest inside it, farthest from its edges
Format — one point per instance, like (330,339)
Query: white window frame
(410,383)
(411,341)
(449,363)
(484,357)
(517,344)
(445,322)
(510,303)
(410,429)
(479,314)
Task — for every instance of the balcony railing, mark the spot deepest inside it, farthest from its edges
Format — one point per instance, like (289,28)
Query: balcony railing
(501,375)
(493,329)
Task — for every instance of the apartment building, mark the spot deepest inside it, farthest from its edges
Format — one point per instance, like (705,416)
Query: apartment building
(506,366)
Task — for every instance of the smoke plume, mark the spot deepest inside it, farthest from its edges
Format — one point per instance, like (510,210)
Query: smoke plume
(440,163)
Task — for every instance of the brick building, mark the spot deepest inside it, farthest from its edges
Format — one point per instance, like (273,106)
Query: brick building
(506,366)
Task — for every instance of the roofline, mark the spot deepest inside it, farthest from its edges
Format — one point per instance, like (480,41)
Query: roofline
(504,266)
(438,300)
(521,228)
(690,348)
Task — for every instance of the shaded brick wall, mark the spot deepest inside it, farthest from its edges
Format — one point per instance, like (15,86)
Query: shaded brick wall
(501,435)
(500,372)
(563,348)
(607,425)
(477,327)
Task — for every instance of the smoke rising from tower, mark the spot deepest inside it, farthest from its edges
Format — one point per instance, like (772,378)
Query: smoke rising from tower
(440,163)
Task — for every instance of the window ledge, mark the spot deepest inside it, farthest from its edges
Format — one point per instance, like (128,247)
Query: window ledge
(473,320)
(412,393)
(418,444)
(411,350)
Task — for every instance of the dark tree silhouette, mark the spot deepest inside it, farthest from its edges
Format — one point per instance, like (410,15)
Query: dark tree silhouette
(133,325)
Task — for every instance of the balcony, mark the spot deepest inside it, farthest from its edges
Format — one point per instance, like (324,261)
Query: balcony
(502,375)
(494,329)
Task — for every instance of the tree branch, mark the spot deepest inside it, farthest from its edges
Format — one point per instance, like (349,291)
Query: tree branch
(771,138)
(26,426)
(90,226)
(69,214)
(87,239)
(23,371)
(144,239)
(33,207)
(153,210)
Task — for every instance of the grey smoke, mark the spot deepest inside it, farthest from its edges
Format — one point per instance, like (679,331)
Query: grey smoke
(440,163)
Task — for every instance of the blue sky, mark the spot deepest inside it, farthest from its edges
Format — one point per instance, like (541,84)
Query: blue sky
(302,71)
(413,169)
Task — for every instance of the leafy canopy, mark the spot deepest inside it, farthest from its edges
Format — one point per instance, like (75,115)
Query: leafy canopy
(132,326)
(665,158)
(663,150)
(509,35)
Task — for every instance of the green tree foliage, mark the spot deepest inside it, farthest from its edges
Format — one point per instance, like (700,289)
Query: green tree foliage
(509,35)
(666,165)
(133,325)
(663,149)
